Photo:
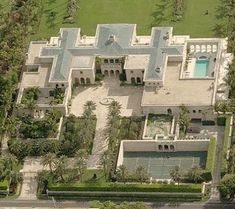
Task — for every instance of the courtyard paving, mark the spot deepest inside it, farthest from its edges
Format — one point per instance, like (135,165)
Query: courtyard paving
(129,97)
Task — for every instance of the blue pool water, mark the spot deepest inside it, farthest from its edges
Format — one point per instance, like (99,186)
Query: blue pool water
(201,68)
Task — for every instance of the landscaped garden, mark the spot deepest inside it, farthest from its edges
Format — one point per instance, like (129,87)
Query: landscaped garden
(195,20)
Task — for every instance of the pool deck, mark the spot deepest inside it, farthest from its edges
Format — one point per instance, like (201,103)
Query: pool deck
(179,91)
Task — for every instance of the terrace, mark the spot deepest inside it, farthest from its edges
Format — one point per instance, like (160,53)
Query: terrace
(158,126)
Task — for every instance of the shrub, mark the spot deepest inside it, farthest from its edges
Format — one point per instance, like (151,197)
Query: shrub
(208,123)
(226,187)
(221,120)
(99,77)
(122,77)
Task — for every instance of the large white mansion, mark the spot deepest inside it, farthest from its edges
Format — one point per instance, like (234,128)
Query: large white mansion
(174,70)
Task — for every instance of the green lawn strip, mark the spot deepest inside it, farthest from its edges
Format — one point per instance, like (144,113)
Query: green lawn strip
(3,185)
(144,13)
(192,188)
(88,175)
(211,155)
(225,144)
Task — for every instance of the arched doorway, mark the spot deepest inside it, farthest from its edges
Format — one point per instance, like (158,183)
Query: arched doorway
(172,148)
(111,72)
(82,80)
(138,80)
(166,147)
(160,147)
(117,73)
(88,80)
(132,80)
(106,72)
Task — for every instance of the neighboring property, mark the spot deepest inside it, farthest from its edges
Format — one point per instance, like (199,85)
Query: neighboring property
(174,70)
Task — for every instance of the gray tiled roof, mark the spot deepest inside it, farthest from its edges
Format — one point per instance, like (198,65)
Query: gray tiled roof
(123,34)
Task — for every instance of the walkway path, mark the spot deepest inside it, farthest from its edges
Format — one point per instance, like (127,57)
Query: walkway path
(30,171)
(128,97)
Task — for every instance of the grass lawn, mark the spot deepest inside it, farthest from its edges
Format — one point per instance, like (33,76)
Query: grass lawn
(211,155)
(5,4)
(145,13)
(88,175)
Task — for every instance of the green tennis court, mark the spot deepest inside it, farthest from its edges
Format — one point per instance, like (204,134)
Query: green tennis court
(159,164)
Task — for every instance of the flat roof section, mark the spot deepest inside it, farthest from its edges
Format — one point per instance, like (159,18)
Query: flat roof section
(176,92)
(136,62)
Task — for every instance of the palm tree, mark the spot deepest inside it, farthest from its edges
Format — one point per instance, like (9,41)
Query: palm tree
(105,162)
(184,118)
(176,174)
(60,166)
(81,161)
(49,159)
(90,106)
(122,171)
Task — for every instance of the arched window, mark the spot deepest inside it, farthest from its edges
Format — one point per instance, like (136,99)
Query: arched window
(132,80)
(169,111)
(172,147)
(111,72)
(160,147)
(166,147)
(138,80)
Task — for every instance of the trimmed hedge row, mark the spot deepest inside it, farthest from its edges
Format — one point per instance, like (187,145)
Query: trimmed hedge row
(194,188)
(129,196)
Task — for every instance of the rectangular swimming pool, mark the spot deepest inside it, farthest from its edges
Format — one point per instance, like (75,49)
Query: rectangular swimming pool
(201,68)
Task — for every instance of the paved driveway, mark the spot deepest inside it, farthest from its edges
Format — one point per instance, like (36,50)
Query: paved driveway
(129,98)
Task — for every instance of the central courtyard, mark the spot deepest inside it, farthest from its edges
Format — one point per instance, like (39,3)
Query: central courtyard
(128,96)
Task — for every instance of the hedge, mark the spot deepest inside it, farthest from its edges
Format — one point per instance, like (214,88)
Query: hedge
(208,123)
(192,188)
(221,120)
(161,197)
(225,144)
(3,185)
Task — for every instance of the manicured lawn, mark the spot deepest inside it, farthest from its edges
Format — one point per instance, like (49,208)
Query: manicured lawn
(145,13)
(3,185)
(88,175)
(6,4)
(211,155)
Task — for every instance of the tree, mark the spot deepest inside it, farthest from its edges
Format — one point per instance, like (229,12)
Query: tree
(195,175)
(141,174)
(60,166)
(49,159)
(176,174)
(90,106)
(226,187)
(231,161)
(122,173)
(184,118)
(81,161)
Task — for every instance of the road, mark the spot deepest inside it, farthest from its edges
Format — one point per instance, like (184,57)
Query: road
(78,204)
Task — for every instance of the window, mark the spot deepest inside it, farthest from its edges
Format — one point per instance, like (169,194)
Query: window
(56,85)
(143,71)
(106,61)
(62,85)
(199,111)
(81,72)
(116,60)
(166,147)
(194,111)
(111,61)
(132,71)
